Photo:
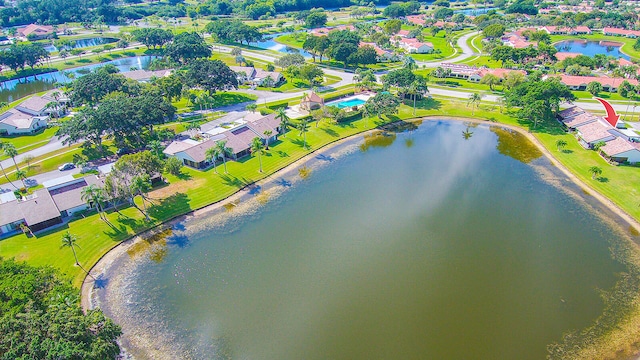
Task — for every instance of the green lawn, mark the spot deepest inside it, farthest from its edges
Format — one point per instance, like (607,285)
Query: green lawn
(480,61)
(28,142)
(294,40)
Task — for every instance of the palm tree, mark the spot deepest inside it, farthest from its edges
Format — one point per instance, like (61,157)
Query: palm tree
(595,171)
(156,147)
(2,145)
(224,151)
(474,100)
(560,144)
(21,174)
(415,88)
(251,107)
(140,185)
(409,63)
(211,155)
(69,240)
(304,127)
(267,134)
(257,147)
(284,119)
(94,196)
(10,151)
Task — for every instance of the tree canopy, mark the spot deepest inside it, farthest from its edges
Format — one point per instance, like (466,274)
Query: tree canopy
(187,46)
(40,318)
(211,75)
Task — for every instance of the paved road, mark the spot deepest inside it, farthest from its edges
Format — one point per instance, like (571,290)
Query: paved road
(467,52)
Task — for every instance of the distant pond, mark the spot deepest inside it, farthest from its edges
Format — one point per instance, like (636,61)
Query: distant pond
(82,43)
(591,48)
(445,241)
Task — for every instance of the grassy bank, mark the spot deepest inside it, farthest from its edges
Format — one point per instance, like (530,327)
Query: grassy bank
(627,46)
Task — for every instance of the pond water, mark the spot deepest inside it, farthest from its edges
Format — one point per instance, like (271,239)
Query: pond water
(11,90)
(416,245)
(83,43)
(591,48)
(268,43)
(475,11)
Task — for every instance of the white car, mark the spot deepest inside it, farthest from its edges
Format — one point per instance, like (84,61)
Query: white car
(66,166)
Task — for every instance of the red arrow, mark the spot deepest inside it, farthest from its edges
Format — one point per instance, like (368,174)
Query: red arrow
(612,117)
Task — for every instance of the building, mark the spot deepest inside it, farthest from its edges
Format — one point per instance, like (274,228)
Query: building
(594,132)
(566,55)
(557,30)
(621,32)
(516,41)
(416,19)
(257,77)
(244,74)
(194,153)
(382,55)
(35,32)
(59,200)
(580,83)
(413,46)
(30,115)
(622,151)
(311,101)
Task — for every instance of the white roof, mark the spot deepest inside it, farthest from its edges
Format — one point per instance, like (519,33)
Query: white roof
(106,168)
(629,132)
(58,181)
(7,197)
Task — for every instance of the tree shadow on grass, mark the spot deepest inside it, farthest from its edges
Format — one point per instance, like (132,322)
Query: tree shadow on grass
(133,224)
(233,181)
(428,104)
(175,204)
(184,176)
(282,153)
(117,231)
(603,179)
(567,151)
(301,143)
(330,132)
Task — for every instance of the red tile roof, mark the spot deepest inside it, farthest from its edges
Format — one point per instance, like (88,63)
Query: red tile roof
(573,80)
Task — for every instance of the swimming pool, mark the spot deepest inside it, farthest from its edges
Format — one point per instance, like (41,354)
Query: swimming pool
(347,103)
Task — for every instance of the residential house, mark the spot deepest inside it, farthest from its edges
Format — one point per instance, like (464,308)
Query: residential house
(261,77)
(193,153)
(35,32)
(557,30)
(311,101)
(479,73)
(621,32)
(67,193)
(245,74)
(382,55)
(416,19)
(580,83)
(622,151)
(594,132)
(566,55)
(516,41)
(413,46)
(14,122)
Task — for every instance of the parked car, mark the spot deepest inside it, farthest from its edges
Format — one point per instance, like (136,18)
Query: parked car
(66,166)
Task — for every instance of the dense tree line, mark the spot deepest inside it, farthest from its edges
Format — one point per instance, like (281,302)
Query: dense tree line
(256,9)
(233,31)
(17,56)
(341,46)
(539,100)
(54,11)
(40,318)
(528,55)
(152,37)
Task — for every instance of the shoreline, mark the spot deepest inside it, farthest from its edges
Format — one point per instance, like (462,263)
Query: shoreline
(89,298)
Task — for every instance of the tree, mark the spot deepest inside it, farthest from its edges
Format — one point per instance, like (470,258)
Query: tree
(94,196)
(41,317)
(281,114)
(69,241)
(91,88)
(289,60)
(594,88)
(417,87)
(512,79)
(365,55)
(491,80)
(383,103)
(10,151)
(560,144)
(310,73)
(636,45)
(173,166)
(211,155)
(188,46)
(474,100)
(342,52)
(152,37)
(2,145)
(156,148)
(400,78)
(257,148)
(251,107)
(141,185)
(303,127)
(22,175)
(316,19)
(409,63)
(493,31)
(595,171)
(393,26)
(211,75)
(223,151)
(267,134)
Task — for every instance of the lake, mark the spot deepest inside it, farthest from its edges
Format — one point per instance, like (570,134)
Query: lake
(82,43)
(12,90)
(268,43)
(446,242)
(475,11)
(591,48)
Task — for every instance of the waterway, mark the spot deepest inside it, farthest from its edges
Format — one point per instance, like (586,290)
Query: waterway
(11,90)
(82,43)
(445,242)
(268,43)
(591,48)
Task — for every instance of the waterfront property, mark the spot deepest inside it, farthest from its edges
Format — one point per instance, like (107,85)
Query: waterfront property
(611,31)
(311,101)
(32,114)
(193,153)
(351,102)
(475,74)
(575,82)
(45,208)
(257,77)
(146,75)
(35,32)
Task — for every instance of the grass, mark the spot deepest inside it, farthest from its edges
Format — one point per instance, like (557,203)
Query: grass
(219,100)
(480,61)
(25,143)
(294,40)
